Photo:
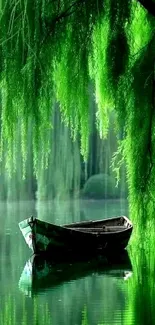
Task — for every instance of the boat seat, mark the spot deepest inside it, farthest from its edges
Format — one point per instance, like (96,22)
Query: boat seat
(101,229)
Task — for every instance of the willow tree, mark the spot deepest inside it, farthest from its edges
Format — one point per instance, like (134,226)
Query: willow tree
(53,50)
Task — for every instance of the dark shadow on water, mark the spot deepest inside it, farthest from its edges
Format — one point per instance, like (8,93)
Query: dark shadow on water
(41,274)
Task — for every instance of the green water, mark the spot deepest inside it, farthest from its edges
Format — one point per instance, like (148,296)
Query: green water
(74,294)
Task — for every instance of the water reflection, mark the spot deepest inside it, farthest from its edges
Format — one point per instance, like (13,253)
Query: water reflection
(63,212)
(141,288)
(88,294)
(42,274)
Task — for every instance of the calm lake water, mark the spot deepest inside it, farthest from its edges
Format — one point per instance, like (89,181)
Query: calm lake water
(95,291)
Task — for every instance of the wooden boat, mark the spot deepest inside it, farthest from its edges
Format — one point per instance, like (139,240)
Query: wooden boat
(42,273)
(107,234)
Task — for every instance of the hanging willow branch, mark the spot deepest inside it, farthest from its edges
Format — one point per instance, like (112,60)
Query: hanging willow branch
(53,50)
(151,126)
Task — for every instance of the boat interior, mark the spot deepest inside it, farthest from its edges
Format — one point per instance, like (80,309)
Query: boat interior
(107,225)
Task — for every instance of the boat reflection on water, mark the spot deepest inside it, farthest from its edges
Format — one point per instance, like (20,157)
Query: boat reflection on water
(42,273)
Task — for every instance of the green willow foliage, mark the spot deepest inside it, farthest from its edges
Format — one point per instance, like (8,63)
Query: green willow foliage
(141,285)
(53,50)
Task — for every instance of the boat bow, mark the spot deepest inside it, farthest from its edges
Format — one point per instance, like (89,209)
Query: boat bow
(26,227)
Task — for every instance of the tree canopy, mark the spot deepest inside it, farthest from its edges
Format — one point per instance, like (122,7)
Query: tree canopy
(53,51)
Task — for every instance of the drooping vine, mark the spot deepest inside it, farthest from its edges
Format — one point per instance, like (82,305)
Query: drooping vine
(54,50)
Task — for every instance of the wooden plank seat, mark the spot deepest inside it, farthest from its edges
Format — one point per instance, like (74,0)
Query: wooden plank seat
(101,229)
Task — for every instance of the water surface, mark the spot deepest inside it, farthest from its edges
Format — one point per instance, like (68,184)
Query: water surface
(88,292)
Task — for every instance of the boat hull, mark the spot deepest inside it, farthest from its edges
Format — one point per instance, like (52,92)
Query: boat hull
(46,238)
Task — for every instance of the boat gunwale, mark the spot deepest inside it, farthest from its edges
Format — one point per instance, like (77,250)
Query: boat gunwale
(103,233)
(97,234)
(130,226)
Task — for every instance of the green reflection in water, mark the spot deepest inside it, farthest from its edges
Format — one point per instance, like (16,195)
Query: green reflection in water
(42,314)
(79,210)
(141,289)
(36,315)
(84,316)
(86,299)
(8,313)
(94,299)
